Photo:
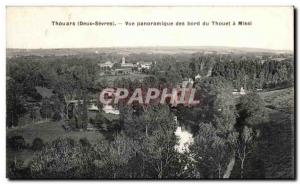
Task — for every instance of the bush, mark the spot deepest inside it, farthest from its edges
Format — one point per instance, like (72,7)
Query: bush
(73,123)
(63,158)
(85,142)
(57,116)
(37,144)
(16,170)
(16,142)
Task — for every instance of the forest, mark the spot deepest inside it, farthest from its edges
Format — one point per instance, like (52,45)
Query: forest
(228,131)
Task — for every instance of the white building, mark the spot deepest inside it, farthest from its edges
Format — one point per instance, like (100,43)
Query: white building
(187,83)
(144,65)
(241,92)
(198,77)
(93,107)
(126,65)
(106,65)
(110,109)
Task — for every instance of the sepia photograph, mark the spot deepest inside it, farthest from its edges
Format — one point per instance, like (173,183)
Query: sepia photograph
(150,92)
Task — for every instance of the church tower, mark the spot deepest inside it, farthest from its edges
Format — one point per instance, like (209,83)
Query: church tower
(123,60)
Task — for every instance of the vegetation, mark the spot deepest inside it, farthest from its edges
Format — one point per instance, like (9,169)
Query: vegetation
(234,136)
(37,144)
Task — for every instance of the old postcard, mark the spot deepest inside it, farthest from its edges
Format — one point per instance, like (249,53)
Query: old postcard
(150,92)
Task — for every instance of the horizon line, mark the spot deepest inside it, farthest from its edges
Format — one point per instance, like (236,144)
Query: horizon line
(116,47)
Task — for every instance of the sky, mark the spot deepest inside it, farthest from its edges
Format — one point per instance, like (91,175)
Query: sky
(31,27)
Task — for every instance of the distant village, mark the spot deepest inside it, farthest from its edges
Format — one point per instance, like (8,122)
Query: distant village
(117,68)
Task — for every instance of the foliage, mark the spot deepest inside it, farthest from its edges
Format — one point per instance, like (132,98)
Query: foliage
(16,142)
(37,144)
(14,106)
(142,142)
(244,145)
(114,156)
(16,170)
(63,158)
(46,109)
(154,130)
(251,110)
(211,152)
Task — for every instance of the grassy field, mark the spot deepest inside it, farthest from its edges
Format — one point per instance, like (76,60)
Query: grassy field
(282,100)
(274,154)
(50,131)
(277,141)
(47,131)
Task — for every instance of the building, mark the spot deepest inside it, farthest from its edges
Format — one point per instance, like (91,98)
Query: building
(106,66)
(126,65)
(197,77)
(120,69)
(123,60)
(146,65)
(110,109)
(93,107)
(143,65)
(241,92)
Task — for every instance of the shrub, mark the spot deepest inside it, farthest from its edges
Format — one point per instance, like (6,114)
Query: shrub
(16,142)
(37,144)
(57,116)
(63,158)
(16,170)
(85,142)
(73,123)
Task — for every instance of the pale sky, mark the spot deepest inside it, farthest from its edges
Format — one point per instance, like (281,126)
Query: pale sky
(31,27)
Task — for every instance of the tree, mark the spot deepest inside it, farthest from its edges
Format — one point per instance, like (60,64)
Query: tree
(217,113)
(46,109)
(251,110)
(211,152)
(116,65)
(115,155)
(63,158)
(34,113)
(217,104)
(66,86)
(244,146)
(82,113)
(16,170)
(159,143)
(14,105)
(37,144)
(58,107)
(16,142)
(153,128)
(159,151)
(132,123)
(139,121)
(101,122)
